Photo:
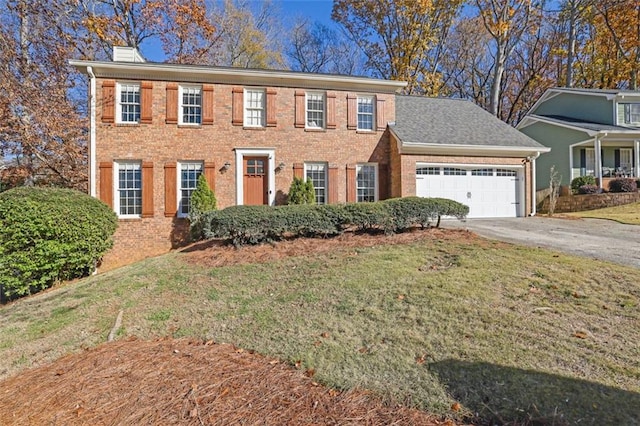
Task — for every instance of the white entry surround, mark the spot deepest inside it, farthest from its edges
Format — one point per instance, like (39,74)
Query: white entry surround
(488,190)
(270,153)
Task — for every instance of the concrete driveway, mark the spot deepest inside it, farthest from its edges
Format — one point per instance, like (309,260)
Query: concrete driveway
(592,238)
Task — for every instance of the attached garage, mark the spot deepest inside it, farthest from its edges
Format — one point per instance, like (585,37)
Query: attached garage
(488,191)
(452,148)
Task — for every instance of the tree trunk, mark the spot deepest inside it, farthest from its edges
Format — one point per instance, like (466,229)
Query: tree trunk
(572,43)
(498,72)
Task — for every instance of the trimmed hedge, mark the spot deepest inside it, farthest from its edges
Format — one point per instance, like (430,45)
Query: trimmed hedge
(576,183)
(48,235)
(256,224)
(623,185)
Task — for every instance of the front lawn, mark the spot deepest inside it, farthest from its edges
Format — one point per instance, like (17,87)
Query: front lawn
(628,213)
(511,333)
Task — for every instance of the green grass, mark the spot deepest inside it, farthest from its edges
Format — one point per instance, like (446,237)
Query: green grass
(628,213)
(512,333)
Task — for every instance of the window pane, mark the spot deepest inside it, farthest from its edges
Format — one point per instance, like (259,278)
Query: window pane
(129,103)
(189,173)
(428,171)
(634,113)
(130,188)
(254,108)
(366,183)
(365,113)
(482,172)
(191,105)
(451,171)
(315,110)
(505,172)
(317,173)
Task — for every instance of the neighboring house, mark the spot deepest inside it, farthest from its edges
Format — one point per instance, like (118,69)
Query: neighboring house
(155,127)
(590,132)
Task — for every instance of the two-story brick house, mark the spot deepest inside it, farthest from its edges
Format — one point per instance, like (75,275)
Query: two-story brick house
(155,127)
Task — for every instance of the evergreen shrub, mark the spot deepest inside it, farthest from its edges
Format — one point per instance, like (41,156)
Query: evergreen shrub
(48,235)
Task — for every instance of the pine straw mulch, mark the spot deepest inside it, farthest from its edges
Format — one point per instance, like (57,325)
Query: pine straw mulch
(185,382)
(215,253)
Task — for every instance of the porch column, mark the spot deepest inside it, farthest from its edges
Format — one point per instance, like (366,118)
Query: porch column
(597,147)
(636,156)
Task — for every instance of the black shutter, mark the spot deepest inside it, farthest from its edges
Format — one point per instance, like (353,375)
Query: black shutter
(617,158)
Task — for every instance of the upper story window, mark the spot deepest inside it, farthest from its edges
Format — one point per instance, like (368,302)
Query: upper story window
(128,199)
(254,107)
(128,107)
(365,112)
(632,114)
(366,183)
(317,174)
(189,174)
(190,105)
(315,110)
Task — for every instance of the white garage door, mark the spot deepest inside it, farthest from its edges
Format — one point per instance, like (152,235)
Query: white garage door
(488,191)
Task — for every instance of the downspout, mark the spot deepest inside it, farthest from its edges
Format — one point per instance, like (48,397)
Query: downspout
(532,160)
(92,132)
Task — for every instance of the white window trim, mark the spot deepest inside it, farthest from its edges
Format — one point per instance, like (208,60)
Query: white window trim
(181,88)
(246,108)
(326,176)
(324,110)
(373,113)
(179,184)
(119,85)
(376,193)
(116,188)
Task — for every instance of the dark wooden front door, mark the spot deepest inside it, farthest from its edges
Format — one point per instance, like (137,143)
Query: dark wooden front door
(255,183)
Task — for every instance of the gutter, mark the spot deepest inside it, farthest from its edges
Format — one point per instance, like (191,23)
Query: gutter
(92,132)
(532,160)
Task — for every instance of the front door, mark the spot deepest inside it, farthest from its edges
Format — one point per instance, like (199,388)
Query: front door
(255,183)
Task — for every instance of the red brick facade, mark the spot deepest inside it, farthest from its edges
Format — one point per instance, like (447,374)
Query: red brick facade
(159,143)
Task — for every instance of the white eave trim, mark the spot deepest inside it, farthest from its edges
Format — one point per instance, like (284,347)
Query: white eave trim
(590,133)
(486,150)
(202,74)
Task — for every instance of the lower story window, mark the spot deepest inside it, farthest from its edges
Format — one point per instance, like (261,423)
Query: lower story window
(189,174)
(129,189)
(317,174)
(366,187)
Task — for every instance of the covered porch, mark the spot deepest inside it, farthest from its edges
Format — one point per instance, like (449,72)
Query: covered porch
(606,157)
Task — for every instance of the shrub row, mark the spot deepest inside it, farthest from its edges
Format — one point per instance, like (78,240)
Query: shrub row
(623,185)
(48,235)
(256,224)
(587,185)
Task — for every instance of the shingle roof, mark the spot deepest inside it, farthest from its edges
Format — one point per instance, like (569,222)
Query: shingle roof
(586,125)
(453,122)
